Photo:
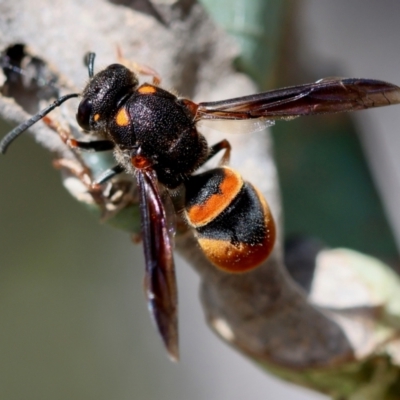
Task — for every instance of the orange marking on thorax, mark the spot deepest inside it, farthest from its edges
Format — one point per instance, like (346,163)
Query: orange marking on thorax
(147,89)
(96,117)
(122,118)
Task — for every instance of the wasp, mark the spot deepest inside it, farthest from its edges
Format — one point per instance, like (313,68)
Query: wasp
(154,138)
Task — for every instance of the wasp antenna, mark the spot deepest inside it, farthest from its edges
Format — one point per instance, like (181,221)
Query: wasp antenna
(10,137)
(89,62)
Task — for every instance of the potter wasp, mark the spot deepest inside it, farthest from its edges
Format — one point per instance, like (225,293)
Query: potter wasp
(154,138)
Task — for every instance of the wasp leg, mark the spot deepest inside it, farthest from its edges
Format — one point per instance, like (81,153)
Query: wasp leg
(67,138)
(78,168)
(110,198)
(216,148)
(95,145)
(83,174)
(140,69)
(109,174)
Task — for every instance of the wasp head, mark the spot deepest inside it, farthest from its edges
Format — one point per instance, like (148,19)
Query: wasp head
(103,96)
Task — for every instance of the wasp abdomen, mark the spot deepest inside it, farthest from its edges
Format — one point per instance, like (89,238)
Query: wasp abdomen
(233,223)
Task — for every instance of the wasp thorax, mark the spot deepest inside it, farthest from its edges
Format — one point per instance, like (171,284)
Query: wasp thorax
(103,95)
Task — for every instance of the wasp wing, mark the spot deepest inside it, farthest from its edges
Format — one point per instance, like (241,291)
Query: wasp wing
(159,282)
(328,95)
(236,126)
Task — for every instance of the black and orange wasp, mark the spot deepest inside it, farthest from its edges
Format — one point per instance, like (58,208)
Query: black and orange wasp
(154,137)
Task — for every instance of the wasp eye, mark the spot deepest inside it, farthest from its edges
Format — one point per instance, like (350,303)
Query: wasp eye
(84,112)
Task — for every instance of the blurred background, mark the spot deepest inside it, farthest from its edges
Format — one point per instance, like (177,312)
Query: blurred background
(73,321)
